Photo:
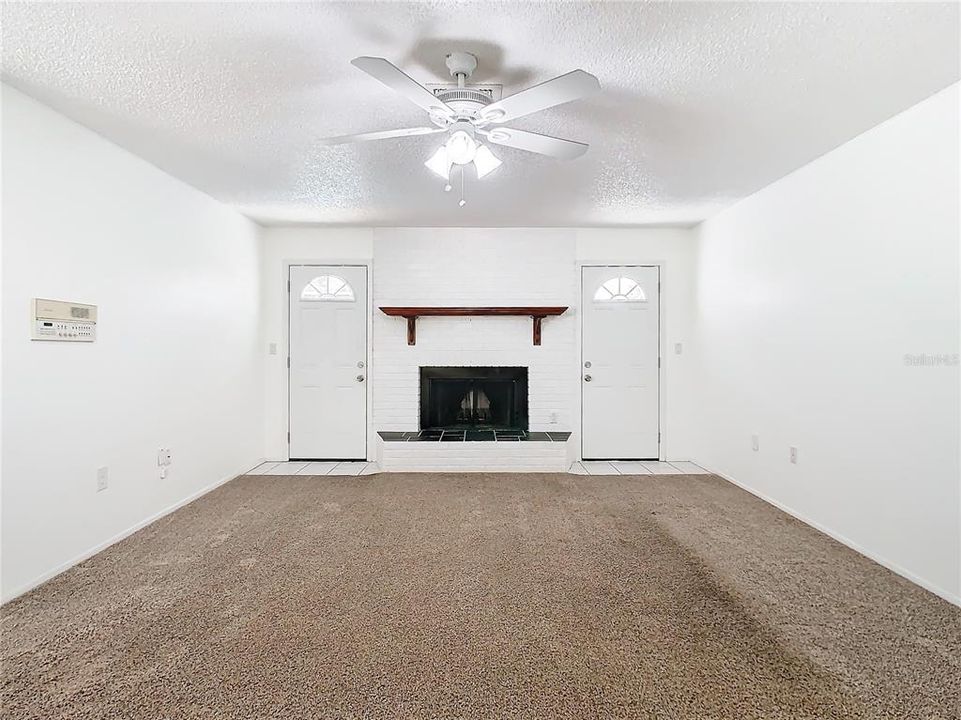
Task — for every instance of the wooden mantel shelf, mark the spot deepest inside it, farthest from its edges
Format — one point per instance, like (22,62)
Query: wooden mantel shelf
(538,313)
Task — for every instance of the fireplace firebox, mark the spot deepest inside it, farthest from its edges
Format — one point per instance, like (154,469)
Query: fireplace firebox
(473,398)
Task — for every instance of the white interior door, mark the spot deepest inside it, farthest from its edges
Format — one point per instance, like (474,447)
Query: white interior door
(620,309)
(328,362)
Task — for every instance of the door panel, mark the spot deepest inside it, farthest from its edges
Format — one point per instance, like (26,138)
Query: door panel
(328,362)
(620,309)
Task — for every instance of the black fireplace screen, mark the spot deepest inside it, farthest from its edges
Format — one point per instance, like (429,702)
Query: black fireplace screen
(459,398)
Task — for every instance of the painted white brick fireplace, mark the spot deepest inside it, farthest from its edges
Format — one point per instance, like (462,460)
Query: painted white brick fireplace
(479,267)
(435,267)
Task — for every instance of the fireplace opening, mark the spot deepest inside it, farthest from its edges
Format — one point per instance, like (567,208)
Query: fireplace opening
(473,398)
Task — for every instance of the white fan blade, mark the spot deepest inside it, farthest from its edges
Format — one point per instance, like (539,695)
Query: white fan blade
(399,81)
(574,85)
(380,135)
(536,143)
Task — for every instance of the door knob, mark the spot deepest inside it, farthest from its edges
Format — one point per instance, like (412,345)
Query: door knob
(360,378)
(587,378)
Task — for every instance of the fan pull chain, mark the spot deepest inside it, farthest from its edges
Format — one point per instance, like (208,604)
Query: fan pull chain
(463,185)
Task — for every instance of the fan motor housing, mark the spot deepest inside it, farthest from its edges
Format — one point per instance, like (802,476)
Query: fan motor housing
(477,98)
(466,101)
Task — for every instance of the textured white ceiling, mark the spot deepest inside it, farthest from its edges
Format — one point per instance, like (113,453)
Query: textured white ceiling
(701,103)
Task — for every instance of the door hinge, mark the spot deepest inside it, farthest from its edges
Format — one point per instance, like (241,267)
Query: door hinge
(658,362)
(658,436)
(288,362)
(288,437)
(288,287)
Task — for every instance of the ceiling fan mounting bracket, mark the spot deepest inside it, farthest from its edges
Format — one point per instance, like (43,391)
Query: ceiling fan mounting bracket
(461,63)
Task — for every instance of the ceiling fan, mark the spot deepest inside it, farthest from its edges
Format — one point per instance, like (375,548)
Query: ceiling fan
(470,116)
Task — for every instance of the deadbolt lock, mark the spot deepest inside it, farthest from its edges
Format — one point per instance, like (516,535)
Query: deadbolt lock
(587,378)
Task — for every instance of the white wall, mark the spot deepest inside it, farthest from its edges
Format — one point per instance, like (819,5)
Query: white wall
(811,294)
(473,266)
(176,363)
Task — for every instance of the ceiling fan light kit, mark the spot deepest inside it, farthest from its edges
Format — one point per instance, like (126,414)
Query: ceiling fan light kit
(466,114)
(460,143)
(440,162)
(485,162)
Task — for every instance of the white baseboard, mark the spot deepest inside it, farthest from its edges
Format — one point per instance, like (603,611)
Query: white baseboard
(893,567)
(89,553)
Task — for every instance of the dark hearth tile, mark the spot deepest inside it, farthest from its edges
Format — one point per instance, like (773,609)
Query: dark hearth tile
(390,436)
(424,438)
(430,433)
(508,438)
(559,436)
(480,435)
(509,433)
(457,436)
(541,436)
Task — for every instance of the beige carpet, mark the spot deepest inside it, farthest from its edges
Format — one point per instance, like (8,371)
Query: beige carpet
(480,596)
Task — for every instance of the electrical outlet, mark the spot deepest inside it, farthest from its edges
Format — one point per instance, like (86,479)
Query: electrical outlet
(678,348)
(755,443)
(103,478)
(164,458)
(271,348)
(553,418)
(793,455)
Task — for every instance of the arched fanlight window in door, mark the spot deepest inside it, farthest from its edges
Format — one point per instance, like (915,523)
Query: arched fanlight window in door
(328,288)
(620,289)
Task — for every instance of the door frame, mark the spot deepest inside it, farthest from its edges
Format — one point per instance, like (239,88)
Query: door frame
(661,265)
(368,265)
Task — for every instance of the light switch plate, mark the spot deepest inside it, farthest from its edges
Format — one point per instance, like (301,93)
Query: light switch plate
(103,478)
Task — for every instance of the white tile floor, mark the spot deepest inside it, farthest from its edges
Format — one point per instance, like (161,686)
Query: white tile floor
(587,467)
(635,467)
(290,468)
(315,468)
